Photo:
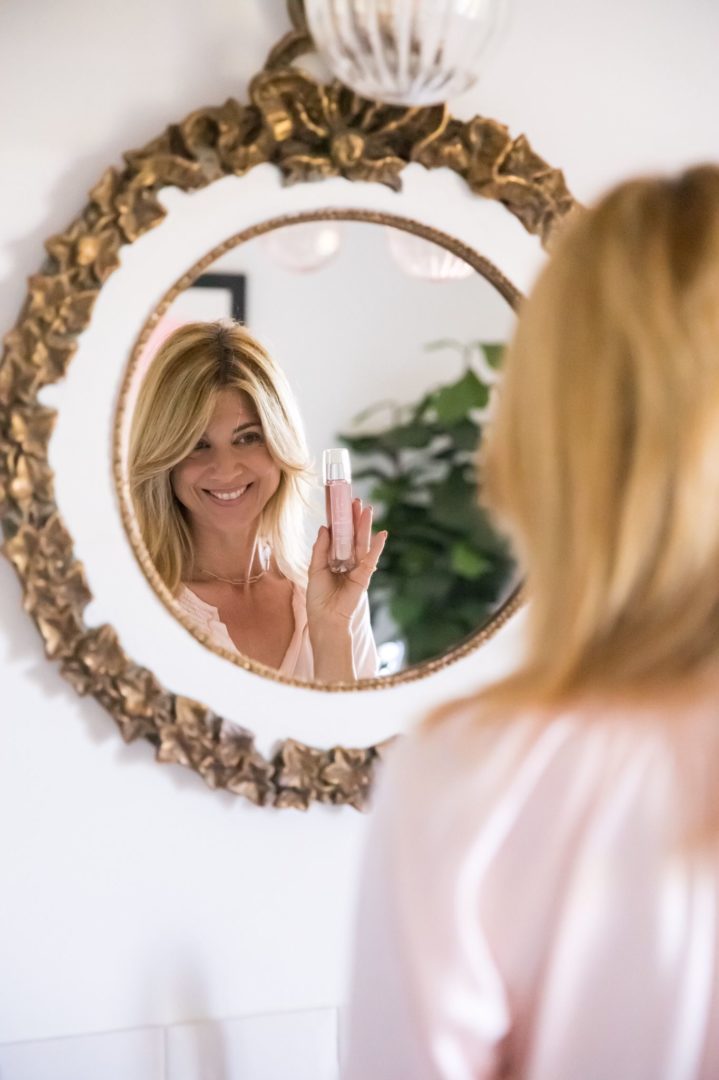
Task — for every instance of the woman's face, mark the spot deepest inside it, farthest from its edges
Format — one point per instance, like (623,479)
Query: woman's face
(230,476)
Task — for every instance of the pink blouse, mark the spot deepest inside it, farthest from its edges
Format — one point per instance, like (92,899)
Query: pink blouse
(298,662)
(531,906)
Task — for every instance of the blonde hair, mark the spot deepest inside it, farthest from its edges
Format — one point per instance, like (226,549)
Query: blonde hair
(174,407)
(603,458)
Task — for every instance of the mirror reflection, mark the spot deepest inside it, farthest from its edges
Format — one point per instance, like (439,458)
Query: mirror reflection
(297,438)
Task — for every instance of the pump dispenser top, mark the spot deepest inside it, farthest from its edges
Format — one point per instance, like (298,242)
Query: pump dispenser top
(336,465)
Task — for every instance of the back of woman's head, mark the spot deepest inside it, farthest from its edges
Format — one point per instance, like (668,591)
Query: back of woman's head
(174,407)
(603,458)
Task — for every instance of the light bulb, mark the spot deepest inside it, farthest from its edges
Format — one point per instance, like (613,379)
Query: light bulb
(404,52)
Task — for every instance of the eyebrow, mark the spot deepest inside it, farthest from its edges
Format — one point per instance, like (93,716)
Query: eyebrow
(240,427)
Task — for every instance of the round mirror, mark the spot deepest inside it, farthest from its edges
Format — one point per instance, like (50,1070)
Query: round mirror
(389,335)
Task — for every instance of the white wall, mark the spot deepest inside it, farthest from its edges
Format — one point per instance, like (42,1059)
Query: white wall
(131,896)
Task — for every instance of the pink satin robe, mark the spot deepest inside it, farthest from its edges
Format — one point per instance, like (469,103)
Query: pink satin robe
(531,907)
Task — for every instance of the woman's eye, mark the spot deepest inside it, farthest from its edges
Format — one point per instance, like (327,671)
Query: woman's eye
(202,445)
(249,438)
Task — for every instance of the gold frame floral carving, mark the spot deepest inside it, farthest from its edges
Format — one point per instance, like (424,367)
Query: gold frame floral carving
(309,131)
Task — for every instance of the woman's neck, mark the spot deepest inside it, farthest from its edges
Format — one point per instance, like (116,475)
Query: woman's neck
(236,558)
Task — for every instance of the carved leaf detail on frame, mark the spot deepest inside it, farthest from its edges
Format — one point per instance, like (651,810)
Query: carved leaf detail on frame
(330,131)
(225,756)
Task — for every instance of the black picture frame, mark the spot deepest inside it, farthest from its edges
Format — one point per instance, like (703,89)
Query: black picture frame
(236,286)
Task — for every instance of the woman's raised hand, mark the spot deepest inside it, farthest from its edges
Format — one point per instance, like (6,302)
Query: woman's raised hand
(332,599)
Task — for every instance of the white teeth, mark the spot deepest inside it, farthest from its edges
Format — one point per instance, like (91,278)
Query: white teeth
(228,496)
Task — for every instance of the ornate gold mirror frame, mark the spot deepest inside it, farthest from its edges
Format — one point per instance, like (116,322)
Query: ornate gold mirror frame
(309,131)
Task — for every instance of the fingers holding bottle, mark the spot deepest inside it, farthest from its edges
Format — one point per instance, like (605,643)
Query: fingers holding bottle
(368,551)
(320,552)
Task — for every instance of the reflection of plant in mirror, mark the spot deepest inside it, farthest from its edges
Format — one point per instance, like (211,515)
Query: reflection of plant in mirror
(444,570)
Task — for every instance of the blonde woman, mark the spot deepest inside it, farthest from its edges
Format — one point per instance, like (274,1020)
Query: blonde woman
(218,468)
(541,898)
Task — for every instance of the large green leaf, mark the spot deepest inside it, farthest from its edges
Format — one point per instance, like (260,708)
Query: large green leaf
(366,444)
(468,562)
(454,402)
(409,436)
(465,435)
(494,353)
(453,502)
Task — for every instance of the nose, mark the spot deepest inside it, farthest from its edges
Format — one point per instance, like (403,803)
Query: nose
(225,464)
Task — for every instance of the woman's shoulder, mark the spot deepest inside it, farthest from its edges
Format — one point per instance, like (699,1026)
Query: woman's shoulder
(468,760)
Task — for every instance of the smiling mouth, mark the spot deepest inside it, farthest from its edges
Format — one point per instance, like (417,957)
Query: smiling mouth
(227,496)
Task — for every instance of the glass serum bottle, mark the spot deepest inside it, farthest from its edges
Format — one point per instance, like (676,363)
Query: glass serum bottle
(337,478)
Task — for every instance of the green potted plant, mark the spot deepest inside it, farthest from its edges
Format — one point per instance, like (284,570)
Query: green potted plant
(445,568)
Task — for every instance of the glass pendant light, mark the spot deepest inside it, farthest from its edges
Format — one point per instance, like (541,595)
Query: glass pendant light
(305,246)
(421,258)
(404,52)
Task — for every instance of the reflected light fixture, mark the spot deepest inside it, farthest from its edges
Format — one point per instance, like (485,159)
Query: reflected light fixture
(404,52)
(421,258)
(306,246)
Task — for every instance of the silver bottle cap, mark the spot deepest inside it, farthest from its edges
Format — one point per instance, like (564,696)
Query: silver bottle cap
(336,465)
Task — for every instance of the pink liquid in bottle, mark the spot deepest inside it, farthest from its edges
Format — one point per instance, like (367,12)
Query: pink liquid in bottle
(337,476)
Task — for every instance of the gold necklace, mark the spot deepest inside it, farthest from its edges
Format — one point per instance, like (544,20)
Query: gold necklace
(234,581)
